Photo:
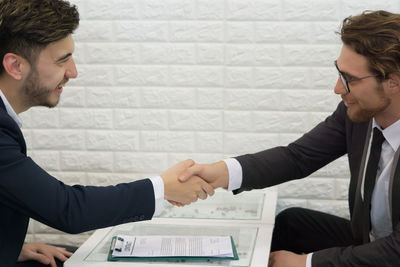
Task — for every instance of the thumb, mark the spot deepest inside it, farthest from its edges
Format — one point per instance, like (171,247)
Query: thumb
(189,172)
(188,163)
(182,166)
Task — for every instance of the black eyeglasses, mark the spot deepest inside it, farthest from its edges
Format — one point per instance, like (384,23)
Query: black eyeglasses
(346,81)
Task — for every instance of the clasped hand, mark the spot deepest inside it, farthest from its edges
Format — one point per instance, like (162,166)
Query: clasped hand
(188,191)
(194,181)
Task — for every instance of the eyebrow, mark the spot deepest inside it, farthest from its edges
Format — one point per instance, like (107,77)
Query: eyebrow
(345,72)
(349,74)
(64,57)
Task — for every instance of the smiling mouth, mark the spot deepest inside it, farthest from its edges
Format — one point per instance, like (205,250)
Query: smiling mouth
(349,104)
(59,88)
(61,85)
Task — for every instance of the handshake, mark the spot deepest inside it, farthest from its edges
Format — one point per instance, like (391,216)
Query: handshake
(185,182)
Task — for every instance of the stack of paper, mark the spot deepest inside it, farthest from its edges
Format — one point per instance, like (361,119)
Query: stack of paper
(127,248)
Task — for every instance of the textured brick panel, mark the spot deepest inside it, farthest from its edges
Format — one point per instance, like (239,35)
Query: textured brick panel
(161,81)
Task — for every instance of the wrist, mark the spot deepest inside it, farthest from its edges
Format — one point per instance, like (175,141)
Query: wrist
(223,180)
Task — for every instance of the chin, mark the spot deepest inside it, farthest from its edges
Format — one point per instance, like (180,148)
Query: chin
(51,103)
(360,116)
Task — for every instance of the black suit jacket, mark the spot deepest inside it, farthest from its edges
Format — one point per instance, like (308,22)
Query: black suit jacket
(27,191)
(329,140)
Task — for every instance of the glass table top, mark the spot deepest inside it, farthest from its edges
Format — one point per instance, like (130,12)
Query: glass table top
(223,206)
(244,238)
(247,217)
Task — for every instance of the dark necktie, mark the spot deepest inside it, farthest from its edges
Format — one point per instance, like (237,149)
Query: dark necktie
(370,178)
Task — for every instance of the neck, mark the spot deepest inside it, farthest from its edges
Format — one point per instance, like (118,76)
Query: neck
(384,123)
(12,91)
(388,116)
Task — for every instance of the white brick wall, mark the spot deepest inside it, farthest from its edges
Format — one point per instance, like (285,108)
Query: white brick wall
(163,80)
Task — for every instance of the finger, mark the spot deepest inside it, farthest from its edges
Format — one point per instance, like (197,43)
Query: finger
(182,166)
(208,189)
(193,198)
(178,204)
(61,257)
(68,254)
(271,259)
(40,258)
(202,195)
(50,253)
(64,252)
(270,262)
(53,262)
(189,172)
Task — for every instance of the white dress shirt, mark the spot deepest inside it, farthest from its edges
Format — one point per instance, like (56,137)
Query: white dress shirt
(158,184)
(381,221)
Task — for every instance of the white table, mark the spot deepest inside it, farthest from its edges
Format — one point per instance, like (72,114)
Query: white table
(247,217)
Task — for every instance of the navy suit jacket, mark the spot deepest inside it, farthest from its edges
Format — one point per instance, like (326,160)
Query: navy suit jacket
(329,140)
(27,191)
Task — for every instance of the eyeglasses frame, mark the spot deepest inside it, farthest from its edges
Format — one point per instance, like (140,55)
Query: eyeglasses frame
(346,82)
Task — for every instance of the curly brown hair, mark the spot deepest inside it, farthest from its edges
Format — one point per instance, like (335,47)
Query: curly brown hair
(27,26)
(375,35)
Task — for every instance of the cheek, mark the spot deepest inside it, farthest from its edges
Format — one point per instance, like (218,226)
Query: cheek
(52,79)
(372,100)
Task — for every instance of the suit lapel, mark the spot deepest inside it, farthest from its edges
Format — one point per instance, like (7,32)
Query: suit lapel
(19,136)
(2,105)
(357,214)
(394,194)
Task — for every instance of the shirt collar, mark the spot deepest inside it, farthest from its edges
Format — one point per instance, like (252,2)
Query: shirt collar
(390,133)
(10,110)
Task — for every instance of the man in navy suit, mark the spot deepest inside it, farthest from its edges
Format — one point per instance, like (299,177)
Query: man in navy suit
(36,50)
(365,127)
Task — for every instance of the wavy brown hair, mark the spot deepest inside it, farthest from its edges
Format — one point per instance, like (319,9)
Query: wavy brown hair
(27,26)
(375,35)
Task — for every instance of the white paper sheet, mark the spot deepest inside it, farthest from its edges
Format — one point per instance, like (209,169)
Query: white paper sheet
(173,246)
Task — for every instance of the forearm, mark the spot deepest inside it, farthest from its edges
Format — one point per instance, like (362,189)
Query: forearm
(73,209)
(384,252)
(323,144)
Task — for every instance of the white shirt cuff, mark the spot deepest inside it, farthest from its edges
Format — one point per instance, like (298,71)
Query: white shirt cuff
(235,173)
(158,185)
(308,261)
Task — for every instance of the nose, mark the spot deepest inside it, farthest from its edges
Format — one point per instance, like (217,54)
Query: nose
(339,87)
(71,71)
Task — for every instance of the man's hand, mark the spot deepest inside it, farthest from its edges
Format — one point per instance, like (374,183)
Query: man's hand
(43,253)
(184,192)
(285,258)
(216,174)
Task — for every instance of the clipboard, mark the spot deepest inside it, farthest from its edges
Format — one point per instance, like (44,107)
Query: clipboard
(165,258)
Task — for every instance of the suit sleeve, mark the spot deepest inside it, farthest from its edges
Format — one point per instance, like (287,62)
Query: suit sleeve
(28,189)
(323,144)
(383,252)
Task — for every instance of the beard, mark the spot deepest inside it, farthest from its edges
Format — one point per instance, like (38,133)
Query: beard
(365,114)
(35,93)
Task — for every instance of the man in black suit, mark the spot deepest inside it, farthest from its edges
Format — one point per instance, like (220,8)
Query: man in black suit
(36,49)
(366,127)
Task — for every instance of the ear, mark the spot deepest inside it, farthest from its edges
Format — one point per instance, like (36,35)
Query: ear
(393,83)
(16,66)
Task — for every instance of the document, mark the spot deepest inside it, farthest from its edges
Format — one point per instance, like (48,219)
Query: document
(218,247)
